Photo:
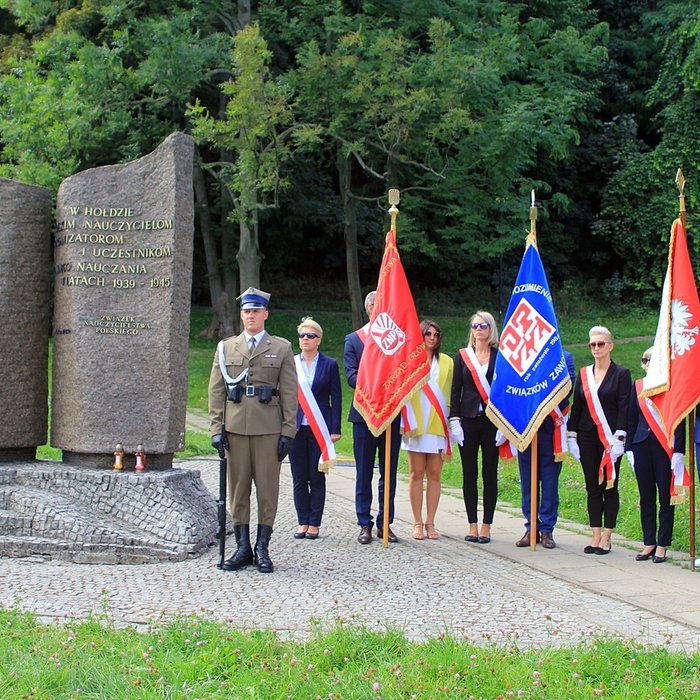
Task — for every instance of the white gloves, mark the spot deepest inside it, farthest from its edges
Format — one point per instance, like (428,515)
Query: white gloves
(617,449)
(456,432)
(572,444)
(500,438)
(630,457)
(677,466)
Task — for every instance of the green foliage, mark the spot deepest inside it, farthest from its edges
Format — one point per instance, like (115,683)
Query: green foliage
(639,202)
(95,84)
(257,112)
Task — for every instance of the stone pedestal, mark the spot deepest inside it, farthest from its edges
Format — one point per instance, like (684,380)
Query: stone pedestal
(25,268)
(88,515)
(123,272)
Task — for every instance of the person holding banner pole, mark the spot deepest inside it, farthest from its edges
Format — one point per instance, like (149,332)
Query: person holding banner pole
(470,428)
(551,441)
(312,453)
(597,432)
(655,465)
(426,434)
(366,445)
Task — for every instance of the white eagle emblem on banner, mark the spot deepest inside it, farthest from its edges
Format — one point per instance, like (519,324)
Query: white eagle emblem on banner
(682,337)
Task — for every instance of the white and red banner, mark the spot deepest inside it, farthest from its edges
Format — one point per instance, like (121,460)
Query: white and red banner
(394,363)
(672,381)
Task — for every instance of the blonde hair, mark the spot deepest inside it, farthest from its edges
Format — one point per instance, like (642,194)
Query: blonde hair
(308,322)
(600,330)
(647,352)
(493,331)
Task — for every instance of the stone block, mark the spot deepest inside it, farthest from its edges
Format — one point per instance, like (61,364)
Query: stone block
(123,272)
(25,268)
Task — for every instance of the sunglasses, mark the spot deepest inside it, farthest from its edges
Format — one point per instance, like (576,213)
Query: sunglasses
(598,344)
(480,326)
(646,360)
(430,334)
(309,335)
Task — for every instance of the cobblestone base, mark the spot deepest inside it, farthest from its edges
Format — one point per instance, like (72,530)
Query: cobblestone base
(88,515)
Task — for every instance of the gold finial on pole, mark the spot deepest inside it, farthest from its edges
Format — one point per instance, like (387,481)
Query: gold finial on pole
(532,238)
(394,199)
(680,182)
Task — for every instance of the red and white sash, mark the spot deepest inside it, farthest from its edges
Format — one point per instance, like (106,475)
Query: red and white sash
(507,450)
(313,414)
(679,481)
(409,422)
(437,401)
(363,333)
(606,470)
(560,417)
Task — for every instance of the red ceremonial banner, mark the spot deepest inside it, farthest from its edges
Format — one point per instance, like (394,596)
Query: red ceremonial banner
(673,379)
(394,363)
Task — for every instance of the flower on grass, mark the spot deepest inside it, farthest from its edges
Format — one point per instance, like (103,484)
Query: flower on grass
(375,686)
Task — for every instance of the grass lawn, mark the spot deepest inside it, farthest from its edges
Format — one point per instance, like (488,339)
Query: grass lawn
(196,658)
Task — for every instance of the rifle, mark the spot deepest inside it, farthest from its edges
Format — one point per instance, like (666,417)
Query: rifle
(221,505)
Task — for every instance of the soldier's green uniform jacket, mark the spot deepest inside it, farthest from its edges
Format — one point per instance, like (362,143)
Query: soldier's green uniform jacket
(271,364)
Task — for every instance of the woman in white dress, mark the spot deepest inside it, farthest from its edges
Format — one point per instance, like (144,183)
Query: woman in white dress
(426,434)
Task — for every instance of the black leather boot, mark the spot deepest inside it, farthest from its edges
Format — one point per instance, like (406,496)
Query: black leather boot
(244,554)
(262,557)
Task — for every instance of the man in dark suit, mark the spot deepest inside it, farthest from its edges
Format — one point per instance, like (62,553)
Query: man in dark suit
(366,446)
(548,472)
(253,405)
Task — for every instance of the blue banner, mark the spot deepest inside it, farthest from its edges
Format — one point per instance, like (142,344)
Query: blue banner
(531,376)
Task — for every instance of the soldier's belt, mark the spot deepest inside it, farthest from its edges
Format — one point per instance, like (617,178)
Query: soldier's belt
(261,390)
(264,392)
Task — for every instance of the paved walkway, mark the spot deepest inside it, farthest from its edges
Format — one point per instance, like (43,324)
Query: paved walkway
(492,593)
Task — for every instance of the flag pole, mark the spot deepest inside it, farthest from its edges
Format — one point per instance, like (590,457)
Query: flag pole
(394,198)
(534,490)
(690,425)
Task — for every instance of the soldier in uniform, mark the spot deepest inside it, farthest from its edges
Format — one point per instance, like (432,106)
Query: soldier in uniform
(253,406)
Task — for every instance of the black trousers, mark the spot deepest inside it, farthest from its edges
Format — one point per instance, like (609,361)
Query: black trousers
(652,467)
(309,484)
(479,434)
(603,504)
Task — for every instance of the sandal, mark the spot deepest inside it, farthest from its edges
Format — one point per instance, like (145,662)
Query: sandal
(432,533)
(417,531)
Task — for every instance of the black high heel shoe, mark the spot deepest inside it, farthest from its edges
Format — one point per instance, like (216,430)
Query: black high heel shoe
(647,556)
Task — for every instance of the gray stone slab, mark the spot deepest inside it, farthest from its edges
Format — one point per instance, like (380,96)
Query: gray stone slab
(25,241)
(123,271)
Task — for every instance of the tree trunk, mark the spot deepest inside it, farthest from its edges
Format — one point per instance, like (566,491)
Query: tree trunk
(249,256)
(243,13)
(222,323)
(352,264)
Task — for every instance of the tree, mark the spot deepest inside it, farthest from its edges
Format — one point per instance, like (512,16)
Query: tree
(640,200)
(256,131)
(461,105)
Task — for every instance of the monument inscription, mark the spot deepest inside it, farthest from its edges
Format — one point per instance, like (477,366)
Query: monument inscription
(123,270)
